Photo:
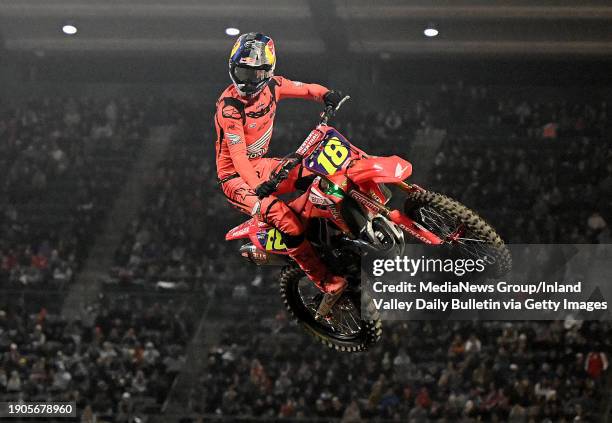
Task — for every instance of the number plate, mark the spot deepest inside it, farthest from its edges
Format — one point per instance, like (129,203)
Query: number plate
(331,155)
(272,240)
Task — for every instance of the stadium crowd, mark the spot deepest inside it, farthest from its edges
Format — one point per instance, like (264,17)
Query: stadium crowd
(492,155)
(420,372)
(118,360)
(534,192)
(545,165)
(61,161)
(169,245)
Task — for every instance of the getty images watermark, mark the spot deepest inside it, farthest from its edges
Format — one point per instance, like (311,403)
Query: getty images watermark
(546,282)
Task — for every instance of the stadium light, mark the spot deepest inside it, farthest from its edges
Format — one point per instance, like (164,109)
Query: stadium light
(232,31)
(430,31)
(69,29)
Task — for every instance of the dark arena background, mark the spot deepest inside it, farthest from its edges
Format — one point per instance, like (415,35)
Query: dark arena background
(118,290)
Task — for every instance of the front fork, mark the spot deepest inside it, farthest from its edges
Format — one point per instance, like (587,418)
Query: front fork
(400,219)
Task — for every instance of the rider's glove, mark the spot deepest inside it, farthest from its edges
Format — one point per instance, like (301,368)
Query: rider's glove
(265,189)
(332,98)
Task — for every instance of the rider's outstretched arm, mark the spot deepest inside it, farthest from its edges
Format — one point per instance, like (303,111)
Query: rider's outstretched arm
(230,121)
(286,88)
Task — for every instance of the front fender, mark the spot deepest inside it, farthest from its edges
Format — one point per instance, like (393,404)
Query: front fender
(379,169)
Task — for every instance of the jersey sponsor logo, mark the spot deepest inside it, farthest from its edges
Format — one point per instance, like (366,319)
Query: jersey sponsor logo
(230,112)
(259,147)
(257,154)
(261,111)
(234,139)
(297,83)
(241,194)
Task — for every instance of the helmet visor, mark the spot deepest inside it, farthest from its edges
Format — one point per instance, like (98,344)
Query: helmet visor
(249,75)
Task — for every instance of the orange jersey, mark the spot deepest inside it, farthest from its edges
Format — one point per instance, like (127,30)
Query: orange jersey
(244,126)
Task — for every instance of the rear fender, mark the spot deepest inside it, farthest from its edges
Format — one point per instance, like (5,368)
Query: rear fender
(379,169)
(241,231)
(263,236)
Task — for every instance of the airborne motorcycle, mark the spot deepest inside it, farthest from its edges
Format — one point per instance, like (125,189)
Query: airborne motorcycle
(346,212)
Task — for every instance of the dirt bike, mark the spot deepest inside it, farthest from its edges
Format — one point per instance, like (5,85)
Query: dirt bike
(344,206)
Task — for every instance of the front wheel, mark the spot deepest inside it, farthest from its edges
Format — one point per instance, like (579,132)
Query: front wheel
(459,227)
(345,330)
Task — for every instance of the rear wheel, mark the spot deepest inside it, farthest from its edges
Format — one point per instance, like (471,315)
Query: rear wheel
(345,330)
(460,227)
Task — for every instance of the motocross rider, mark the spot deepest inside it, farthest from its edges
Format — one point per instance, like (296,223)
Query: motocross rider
(244,120)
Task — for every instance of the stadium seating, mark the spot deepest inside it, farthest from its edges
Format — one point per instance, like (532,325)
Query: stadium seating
(539,170)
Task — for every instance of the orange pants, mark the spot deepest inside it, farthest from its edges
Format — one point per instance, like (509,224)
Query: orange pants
(270,209)
(275,212)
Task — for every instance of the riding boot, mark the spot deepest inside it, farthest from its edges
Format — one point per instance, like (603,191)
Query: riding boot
(312,265)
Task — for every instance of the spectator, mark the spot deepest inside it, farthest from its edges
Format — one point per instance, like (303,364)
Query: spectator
(595,364)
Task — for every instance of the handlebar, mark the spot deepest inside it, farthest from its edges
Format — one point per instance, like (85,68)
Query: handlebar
(292,160)
(330,111)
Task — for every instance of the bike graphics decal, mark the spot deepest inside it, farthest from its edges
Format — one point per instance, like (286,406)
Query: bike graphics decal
(272,240)
(365,201)
(318,198)
(331,155)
